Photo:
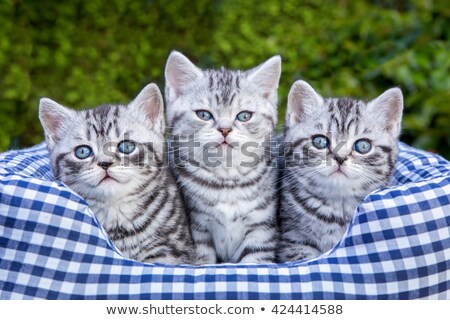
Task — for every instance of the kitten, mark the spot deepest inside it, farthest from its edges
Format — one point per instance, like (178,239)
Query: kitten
(218,122)
(338,150)
(113,156)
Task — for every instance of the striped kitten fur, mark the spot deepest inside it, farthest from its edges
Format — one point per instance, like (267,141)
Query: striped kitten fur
(338,150)
(231,197)
(114,157)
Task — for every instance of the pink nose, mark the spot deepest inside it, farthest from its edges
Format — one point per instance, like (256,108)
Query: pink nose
(224,131)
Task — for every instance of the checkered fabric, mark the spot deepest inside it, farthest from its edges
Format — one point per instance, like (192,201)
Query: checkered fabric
(52,246)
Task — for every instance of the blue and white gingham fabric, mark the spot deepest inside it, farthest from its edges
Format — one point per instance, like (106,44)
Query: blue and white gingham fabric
(52,247)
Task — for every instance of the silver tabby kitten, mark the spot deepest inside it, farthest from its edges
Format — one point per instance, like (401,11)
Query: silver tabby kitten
(218,123)
(113,156)
(338,150)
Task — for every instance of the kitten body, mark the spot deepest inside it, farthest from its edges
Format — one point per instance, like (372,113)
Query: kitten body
(224,173)
(113,156)
(338,150)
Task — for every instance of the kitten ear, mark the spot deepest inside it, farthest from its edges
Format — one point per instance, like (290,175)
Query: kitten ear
(266,77)
(387,109)
(302,99)
(53,117)
(180,73)
(149,104)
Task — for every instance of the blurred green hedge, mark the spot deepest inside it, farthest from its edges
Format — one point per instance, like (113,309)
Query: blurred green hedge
(85,53)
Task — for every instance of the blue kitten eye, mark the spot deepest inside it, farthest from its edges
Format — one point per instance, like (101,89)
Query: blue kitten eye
(244,116)
(362,146)
(204,115)
(126,147)
(83,152)
(320,142)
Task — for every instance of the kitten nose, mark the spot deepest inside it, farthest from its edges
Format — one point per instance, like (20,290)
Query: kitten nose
(105,164)
(225,131)
(339,159)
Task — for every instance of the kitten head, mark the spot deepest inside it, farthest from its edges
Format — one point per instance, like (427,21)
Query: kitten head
(222,109)
(343,144)
(109,150)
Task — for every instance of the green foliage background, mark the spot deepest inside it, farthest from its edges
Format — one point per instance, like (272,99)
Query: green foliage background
(85,53)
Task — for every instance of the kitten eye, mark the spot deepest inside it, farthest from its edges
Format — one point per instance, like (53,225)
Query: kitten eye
(244,116)
(204,115)
(126,147)
(83,152)
(320,142)
(362,146)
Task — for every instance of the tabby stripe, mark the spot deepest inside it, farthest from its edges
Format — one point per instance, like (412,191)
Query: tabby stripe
(177,253)
(206,242)
(349,124)
(73,166)
(149,146)
(154,256)
(309,243)
(108,130)
(358,113)
(121,232)
(96,130)
(177,118)
(385,149)
(205,201)
(378,172)
(156,192)
(148,183)
(168,228)
(116,128)
(161,204)
(58,159)
(198,211)
(264,204)
(232,98)
(294,189)
(372,158)
(343,121)
(295,256)
(330,106)
(315,213)
(269,224)
(211,81)
(138,159)
(337,123)
(248,251)
(357,127)
(216,185)
(298,142)
(391,162)
(88,132)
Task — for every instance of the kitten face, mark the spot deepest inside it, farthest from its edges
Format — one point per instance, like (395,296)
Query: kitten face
(107,151)
(224,110)
(342,144)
